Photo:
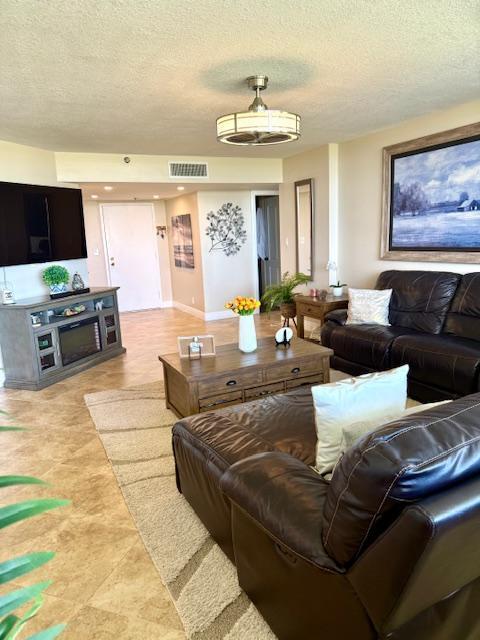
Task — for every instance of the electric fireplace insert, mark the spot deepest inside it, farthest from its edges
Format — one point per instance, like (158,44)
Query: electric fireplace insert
(79,340)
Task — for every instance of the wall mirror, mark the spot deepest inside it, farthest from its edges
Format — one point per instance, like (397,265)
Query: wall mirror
(304,226)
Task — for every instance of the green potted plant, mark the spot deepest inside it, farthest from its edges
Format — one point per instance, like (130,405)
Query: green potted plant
(56,277)
(282,294)
(337,289)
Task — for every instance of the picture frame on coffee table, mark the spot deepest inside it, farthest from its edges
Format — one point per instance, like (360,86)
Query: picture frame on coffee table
(194,347)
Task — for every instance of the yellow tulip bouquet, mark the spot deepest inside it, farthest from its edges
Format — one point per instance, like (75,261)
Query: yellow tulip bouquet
(243,306)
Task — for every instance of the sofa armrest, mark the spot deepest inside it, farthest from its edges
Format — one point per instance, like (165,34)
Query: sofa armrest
(285,497)
(338,316)
(429,552)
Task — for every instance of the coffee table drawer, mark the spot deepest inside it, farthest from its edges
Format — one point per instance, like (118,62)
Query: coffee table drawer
(222,400)
(264,390)
(293,370)
(305,382)
(230,382)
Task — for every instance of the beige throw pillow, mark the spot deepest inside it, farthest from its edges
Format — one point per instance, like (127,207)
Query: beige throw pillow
(368,306)
(353,432)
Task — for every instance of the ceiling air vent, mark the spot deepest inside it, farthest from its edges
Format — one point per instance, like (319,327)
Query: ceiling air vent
(188,169)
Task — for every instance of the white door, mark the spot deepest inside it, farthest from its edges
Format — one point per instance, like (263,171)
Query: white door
(131,253)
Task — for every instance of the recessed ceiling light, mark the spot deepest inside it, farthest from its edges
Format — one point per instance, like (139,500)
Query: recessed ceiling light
(156,197)
(94,196)
(180,188)
(107,187)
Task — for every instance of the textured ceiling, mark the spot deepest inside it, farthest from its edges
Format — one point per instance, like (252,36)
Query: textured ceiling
(150,76)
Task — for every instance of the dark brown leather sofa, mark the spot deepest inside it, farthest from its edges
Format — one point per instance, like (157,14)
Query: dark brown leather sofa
(435,328)
(389,549)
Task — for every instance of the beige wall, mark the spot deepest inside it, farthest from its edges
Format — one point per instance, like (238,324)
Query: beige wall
(97,269)
(19,163)
(187,284)
(225,276)
(312,164)
(109,167)
(361,194)
(163,253)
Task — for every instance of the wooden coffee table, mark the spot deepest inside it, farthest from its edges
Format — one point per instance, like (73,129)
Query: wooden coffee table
(231,377)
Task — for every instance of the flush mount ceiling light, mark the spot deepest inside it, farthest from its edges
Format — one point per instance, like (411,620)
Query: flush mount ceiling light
(259,125)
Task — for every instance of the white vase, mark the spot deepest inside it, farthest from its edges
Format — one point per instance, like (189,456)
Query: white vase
(247,338)
(337,291)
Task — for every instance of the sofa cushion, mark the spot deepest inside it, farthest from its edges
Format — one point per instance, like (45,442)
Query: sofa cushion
(400,463)
(276,423)
(463,319)
(338,316)
(365,344)
(420,299)
(444,361)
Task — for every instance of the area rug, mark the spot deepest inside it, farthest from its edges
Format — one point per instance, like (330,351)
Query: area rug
(135,428)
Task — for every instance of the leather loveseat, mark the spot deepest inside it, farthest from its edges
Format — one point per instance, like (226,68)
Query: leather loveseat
(435,328)
(388,549)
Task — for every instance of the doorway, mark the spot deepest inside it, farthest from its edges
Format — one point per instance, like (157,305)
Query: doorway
(268,241)
(131,254)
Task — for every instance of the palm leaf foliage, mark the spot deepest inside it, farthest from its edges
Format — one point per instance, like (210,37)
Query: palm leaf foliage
(27,599)
(277,294)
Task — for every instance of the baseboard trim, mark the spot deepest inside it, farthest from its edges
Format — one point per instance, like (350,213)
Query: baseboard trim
(166,304)
(186,309)
(224,314)
(218,315)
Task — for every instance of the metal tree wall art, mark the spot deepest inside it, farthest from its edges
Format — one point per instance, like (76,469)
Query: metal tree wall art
(226,229)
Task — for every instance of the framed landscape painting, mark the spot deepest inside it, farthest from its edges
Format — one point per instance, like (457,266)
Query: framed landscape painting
(431,198)
(182,240)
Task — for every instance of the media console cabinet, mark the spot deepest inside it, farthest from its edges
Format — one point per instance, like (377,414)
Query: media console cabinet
(59,346)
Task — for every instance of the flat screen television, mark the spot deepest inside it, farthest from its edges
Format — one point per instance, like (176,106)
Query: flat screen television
(40,224)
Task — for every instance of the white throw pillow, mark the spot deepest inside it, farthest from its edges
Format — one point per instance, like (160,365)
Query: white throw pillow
(371,398)
(368,306)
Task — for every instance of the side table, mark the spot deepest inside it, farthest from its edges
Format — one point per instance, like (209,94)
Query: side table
(317,308)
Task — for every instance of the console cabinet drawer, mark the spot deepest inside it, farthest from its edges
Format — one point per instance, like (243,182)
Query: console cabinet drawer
(264,390)
(305,382)
(311,311)
(213,386)
(293,370)
(222,400)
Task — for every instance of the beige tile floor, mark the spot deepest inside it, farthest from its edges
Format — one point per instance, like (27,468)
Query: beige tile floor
(105,585)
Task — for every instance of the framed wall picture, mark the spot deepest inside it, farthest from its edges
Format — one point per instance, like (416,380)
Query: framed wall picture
(182,239)
(431,198)
(194,347)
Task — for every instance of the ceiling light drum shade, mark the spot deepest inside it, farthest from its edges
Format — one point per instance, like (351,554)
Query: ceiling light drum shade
(259,125)
(269,126)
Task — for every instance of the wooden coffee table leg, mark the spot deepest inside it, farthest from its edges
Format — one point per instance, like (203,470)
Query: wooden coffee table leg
(326,370)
